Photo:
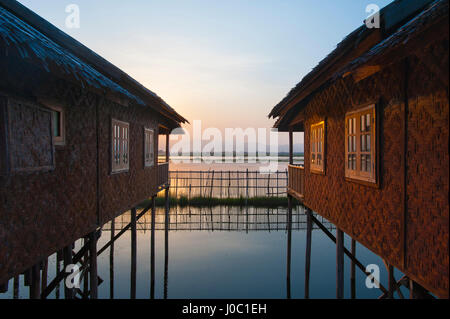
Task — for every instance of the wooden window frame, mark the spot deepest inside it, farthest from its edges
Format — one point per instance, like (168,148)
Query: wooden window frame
(149,143)
(356,133)
(59,140)
(120,161)
(6,157)
(313,167)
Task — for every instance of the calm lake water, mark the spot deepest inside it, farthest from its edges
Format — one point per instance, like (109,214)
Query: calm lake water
(221,252)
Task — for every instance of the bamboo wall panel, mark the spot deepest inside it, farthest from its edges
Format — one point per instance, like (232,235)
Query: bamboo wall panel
(373,215)
(43,211)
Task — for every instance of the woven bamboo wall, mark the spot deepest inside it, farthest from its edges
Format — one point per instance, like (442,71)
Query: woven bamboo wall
(373,215)
(42,212)
(122,191)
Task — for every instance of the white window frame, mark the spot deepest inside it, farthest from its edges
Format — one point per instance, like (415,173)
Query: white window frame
(149,147)
(120,146)
(59,140)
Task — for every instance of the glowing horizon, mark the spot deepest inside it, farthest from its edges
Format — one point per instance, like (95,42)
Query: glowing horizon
(226,63)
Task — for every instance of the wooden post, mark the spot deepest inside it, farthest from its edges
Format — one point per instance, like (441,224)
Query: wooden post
(212,185)
(166,243)
(256,184)
(221,182)
(201,183)
(35,290)
(27,277)
(44,274)
(339,264)
(352,271)
(93,277)
(111,260)
(391,282)
(152,251)
(133,255)
(229,183)
(246,188)
(16,287)
(4,287)
(67,256)
(167,147)
(289,247)
(176,186)
(58,271)
(291,147)
(308,251)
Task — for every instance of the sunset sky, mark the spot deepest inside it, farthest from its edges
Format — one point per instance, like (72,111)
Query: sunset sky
(224,62)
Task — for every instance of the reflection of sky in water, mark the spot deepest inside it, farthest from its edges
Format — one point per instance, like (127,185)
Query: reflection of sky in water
(226,264)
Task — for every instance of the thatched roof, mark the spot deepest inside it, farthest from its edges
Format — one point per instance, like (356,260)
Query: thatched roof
(29,37)
(402,19)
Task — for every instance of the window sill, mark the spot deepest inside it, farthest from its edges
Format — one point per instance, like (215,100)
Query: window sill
(120,171)
(362,181)
(317,172)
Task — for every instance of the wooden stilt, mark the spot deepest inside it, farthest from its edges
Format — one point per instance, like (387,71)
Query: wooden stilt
(58,271)
(111,261)
(353,272)
(4,287)
(86,273)
(27,277)
(391,282)
(35,288)
(16,287)
(339,264)
(308,251)
(67,256)
(133,255)
(152,251)
(93,265)
(44,274)
(166,243)
(289,248)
